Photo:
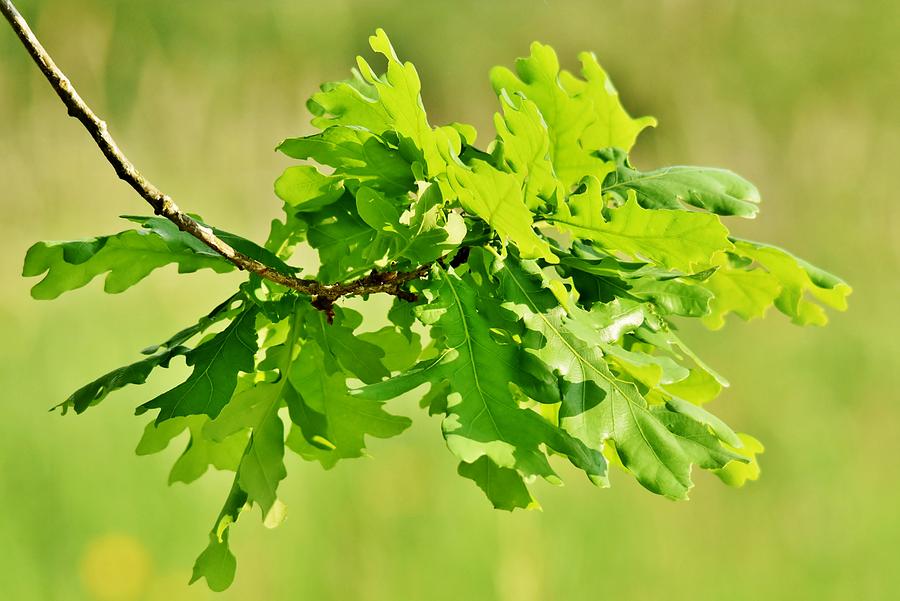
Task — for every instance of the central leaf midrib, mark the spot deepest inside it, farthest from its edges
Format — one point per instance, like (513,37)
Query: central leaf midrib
(231,330)
(582,360)
(468,341)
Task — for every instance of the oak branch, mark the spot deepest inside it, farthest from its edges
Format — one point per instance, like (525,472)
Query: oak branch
(324,295)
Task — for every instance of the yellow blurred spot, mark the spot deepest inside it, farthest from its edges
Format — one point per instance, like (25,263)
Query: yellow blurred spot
(115,567)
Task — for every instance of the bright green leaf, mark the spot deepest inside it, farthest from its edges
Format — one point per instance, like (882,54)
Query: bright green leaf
(216,364)
(674,239)
(126,258)
(502,485)
(737,473)
(305,189)
(801,283)
(717,190)
(355,154)
(497,198)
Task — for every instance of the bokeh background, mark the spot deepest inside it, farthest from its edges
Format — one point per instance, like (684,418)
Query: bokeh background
(800,97)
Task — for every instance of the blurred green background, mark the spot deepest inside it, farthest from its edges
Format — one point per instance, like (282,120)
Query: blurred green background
(800,97)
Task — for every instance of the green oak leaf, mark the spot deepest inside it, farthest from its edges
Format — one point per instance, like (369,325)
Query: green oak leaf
(352,103)
(525,148)
(567,116)
(673,239)
(355,154)
(745,291)
(503,486)
(387,103)
(582,116)
(329,424)
(126,258)
(304,189)
(497,198)
(200,453)
(483,417)
(704,448)
(216,364)
(800,282)
(737,472)
(137,373)
(216,563)
(612,125)
(262,467)
(94,392)
(596,405)
(716,190)
(399,92)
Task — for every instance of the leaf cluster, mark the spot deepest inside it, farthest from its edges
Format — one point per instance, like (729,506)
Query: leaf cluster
(544,330)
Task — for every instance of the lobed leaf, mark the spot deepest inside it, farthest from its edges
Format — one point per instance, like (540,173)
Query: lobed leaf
(716,190)
(356,155)
(216,563)
(125,258)
(201,451)
(483,418)
(137,373)
(217,363)
(673,239)
(502,485)
(524,147)
(596,405)
(497,198)
(329,423)
(582,116)
(805,288)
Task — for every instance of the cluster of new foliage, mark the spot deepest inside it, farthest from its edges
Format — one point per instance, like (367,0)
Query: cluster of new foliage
(549,273)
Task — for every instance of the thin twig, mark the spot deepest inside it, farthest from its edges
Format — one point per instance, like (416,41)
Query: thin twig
(387,282)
